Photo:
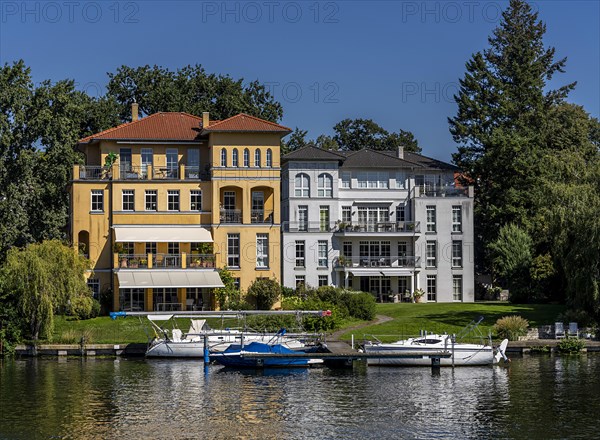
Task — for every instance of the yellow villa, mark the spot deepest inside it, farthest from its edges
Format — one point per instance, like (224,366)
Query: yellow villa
(185,196)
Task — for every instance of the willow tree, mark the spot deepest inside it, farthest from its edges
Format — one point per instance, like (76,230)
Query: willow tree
(39,281)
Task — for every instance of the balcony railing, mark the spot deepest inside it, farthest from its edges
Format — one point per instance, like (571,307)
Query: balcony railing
(261,216)
(92,172)
(129,172)
(166,261)
(231,216)
(384,261)
(308,226)
(195,173)
(381,227)
(443,191)
(165,173)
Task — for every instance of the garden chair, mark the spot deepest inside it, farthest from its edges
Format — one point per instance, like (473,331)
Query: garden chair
(559,330)
(573,330)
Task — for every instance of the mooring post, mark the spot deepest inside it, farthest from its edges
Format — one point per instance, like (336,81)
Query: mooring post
(435,365)
(352,340)
(206,352)
(453,341)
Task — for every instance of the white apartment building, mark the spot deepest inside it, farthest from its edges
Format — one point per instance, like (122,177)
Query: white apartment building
(385,222)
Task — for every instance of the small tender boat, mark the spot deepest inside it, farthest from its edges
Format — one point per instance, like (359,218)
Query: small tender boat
(238,356)
(191,344)
(462,353)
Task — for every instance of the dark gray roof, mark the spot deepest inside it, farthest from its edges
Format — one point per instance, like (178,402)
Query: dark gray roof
(312,153)
(367,158)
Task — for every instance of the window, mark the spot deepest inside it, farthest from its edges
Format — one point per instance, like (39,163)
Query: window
(128,247)
(229,200)
(372,179)
(431,254)
(457,218)
(173,200)
(223,157)
(173,248)
(246,157)
(457,287)
(324,218)
(300,281)
(192,169)
(302,186)
(347,249)
(128,200)
(236,283)
(431,288)
(325,186)
(97,200)
(125,161)
(457,253)
(147,159)
(151,200)
(403,285)
(431,219)
(269,158)
(300,254)
(172,163)
(303,218)
(322,246)
(94,285)
(372,215)
(346,179)
(151,248)
(233,250)
(401,213)
(262,250)
(402,254)
(257,158)
(374,253)
(400,180)
(196,200)
(234,158)
(347,214)
(323,280)
(132,299)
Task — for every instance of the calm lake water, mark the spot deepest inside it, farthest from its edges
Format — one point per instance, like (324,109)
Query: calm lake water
(535,397)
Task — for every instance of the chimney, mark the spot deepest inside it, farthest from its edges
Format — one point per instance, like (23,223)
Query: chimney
(400,152)
(134,111)
(205,119)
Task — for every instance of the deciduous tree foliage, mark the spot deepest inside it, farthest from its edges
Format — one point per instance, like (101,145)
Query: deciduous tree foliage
(39,281)
(356,134)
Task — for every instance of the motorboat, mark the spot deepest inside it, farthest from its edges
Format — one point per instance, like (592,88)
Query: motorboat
(174,343)
(418,351)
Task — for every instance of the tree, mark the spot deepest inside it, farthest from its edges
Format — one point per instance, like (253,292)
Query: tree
(296,140)
(265,292)
(39,281)
(511,257)
(189,89)
(356,134)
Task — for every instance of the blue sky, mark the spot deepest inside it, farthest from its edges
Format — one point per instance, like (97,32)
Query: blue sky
(395,62)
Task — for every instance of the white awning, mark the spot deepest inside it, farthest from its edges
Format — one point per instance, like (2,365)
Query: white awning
(364,273)
(162,234)
(372,202)
(396,272)
(148,279)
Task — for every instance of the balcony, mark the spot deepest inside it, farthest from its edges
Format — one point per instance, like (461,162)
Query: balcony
(165,173)
(442,191)
(377,227)
(143,172)
(165,261)
(261,216)
(230,216)
(408,262)
(133,173)
(308,226)
(90,172)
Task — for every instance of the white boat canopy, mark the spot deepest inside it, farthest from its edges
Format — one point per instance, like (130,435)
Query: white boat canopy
(138,279)
(162,234)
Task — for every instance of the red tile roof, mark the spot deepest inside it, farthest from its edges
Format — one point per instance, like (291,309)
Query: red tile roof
(246,123)
(159,126)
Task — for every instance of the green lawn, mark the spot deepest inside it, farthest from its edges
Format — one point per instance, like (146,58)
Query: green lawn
(409,319)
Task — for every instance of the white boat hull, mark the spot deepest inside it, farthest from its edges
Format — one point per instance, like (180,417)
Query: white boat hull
(462,357)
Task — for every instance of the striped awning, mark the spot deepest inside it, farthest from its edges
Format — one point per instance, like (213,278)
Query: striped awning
(149,279)
(162,234)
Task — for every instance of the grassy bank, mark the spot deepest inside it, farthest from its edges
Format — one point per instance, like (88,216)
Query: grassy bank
(406,320)
(409,319)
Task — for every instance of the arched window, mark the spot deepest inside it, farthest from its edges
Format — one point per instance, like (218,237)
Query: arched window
(325,186)
(223,157)
(246,157)
(302,185)
(257,158)
(269,163)
(234,158)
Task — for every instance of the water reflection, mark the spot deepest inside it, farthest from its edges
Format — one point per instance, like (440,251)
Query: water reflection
(536,397)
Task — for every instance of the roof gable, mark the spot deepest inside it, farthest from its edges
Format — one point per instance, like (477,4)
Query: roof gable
(246,123)
(366,158)
(311,152)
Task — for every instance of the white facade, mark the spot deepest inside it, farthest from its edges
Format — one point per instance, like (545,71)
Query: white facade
(391,227)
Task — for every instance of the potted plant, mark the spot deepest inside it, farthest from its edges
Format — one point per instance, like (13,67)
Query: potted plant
(342,260)
(418,295)
(109,161)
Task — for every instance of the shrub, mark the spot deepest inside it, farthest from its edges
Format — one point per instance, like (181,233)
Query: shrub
(361,305)
(539,349)
(265,292)
(287,292)
(570,346)
(511,327)
(271,323)
(84,307)
(581,317)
